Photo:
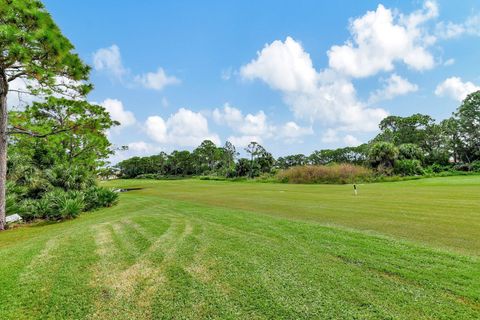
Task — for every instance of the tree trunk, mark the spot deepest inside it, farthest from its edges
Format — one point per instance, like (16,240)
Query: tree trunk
(3,145)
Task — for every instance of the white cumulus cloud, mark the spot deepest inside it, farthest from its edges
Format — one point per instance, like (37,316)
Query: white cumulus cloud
(156,128)
(291,132)
(449,30)
(449,62)
(184,128)
(135,149)
(382,37)
(456,88)
(156,80)
(248,125)
(142,147)
(326,96)
(283,66)
(256,127)
(109,60)
(243,141)
(330,136)
(118,113)
(351,141)
(392,87)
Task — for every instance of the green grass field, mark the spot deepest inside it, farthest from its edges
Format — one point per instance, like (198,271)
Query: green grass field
(208,249)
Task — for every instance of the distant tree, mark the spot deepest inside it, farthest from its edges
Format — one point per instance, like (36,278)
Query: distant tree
(130,168)
(206,154)
(354,155)
(439,146)
(291,161)
(33,48)
(410,151)
(181,163)
(254,150)
(400,130)
(382,156)
(321,157)
(229,155)
(265,161)
(243,167)
(468,119)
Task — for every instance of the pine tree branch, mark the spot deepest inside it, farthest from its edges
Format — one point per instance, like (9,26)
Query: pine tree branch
(19,130)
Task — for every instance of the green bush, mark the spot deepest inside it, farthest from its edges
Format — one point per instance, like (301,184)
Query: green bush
(28,210)
(408,167)
(70,177)
(382,156)
(98,197)
(106,197)
(70,207)
(43,208)
(59,204)
(91,198)
(12,204)
(70,204)
(461,167)
(436,168)
(475,166)
(410,151)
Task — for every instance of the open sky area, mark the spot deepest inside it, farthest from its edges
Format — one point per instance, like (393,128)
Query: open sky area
(295,76)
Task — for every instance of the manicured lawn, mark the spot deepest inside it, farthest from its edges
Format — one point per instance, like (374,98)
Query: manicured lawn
(207,249)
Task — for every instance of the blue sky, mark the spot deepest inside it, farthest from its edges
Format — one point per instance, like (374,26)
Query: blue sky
(295,76)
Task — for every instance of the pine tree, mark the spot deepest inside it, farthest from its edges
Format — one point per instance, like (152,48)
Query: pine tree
(33,48)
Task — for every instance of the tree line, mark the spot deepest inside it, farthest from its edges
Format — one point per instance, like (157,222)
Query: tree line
(409,145)
(206,159)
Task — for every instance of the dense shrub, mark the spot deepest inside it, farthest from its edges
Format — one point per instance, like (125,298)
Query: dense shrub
(98,197)
(440,157)
(382,156)
(475,166)
(59,204)
(27,210)
(410,151)
(70,206)
(337,173)
(43,208)
(91,198)
(70,177)
(408,167)
(461,167)
(436,168)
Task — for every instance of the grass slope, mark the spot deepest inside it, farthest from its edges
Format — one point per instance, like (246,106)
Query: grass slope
(193,249)
(441,212)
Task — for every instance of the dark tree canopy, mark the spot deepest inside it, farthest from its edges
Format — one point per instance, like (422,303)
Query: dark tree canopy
(468,127)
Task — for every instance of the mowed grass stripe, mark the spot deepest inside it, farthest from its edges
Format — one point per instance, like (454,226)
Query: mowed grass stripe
(431,267)
(151,258)
(441,212)
(47,284)
(252,259)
